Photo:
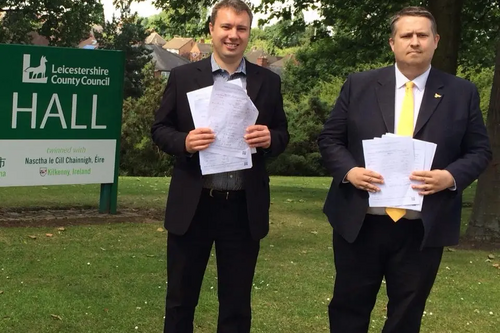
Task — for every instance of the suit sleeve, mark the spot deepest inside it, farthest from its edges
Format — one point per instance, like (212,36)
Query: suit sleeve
(165,131)
(333,139)
(475,147)
(278,126)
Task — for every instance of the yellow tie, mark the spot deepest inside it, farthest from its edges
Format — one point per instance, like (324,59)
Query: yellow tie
(405,127)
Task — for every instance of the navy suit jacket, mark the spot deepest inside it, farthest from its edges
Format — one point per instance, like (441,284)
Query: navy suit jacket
(173,122)
(449,116)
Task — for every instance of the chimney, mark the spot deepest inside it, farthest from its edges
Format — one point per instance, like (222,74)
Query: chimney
(262,61)
(202,40)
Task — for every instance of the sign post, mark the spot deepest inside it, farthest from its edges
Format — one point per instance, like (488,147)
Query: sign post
(60,118)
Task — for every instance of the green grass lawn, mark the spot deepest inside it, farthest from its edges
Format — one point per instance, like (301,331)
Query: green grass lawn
(111,277)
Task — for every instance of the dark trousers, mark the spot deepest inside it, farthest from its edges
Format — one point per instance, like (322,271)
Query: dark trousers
(222,220)
(382,249)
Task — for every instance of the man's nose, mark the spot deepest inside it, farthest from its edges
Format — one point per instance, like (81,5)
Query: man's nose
(414,40)
(233,33)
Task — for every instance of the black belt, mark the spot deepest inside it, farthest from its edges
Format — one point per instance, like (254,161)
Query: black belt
(226,195)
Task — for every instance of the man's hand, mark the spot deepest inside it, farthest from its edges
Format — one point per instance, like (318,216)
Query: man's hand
(432,181)
(199,139)
(364,179)
(258,136)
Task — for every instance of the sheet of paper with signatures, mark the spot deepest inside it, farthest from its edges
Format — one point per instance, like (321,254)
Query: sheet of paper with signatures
(225,108)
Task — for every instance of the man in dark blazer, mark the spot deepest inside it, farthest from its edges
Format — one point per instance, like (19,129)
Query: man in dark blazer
(368,244)
(229,209)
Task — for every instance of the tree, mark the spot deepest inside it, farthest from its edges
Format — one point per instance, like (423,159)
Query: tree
(485,220)
(448,18)
(62,22)
(258,40)
(126,34)
(281,38)
(326,58)
(139,155)
(167,26)
(357,32)
(288,33)
(470,24)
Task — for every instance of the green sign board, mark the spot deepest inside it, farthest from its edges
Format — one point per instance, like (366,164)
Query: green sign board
(60,117)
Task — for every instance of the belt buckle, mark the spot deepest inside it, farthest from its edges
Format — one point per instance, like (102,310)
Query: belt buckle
(212,193)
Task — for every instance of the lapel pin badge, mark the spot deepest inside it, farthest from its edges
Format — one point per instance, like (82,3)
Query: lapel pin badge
(436,95)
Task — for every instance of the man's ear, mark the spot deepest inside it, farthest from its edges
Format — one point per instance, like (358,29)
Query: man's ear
(436,39)
(391,43)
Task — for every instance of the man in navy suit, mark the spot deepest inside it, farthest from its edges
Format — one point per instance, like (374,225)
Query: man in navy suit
(368,244)
(230,209)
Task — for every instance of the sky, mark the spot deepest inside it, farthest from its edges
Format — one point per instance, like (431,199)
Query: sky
(145,9)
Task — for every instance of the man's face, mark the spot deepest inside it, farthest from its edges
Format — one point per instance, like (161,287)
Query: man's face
(230,33)
(414,43)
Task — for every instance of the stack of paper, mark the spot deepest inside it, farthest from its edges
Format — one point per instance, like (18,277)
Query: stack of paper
(395,158)
(225,108)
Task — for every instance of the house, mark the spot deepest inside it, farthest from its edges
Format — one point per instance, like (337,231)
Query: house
(260,57)
(279,66)
(155,39)
(200,51)
(164,60)
(180,46)
(91,41)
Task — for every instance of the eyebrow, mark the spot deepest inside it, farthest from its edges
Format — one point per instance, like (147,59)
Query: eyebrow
(414,32)
(239,26)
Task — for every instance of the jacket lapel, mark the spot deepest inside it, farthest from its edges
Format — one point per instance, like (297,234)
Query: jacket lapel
(254,80)
(204,77)
(432,97)
(386,94)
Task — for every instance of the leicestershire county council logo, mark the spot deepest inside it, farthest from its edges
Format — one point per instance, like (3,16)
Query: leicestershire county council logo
(2,162)
(34,74)
(43,171)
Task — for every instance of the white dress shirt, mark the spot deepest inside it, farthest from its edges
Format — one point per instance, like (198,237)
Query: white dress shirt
(418,93)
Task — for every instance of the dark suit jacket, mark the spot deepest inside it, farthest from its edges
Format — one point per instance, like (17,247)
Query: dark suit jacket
(173,121)
(449,116)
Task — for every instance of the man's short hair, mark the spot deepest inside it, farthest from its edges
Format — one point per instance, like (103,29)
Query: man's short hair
(237,5)
(413,11)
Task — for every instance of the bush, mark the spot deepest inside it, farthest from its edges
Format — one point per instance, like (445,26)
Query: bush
(483,78)
(288,164)
(306,118)
(139,155)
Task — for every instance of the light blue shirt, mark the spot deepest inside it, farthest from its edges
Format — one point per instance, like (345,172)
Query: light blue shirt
(230,181)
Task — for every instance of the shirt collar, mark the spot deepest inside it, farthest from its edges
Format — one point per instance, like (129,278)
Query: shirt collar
(419,81)
(242,68)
